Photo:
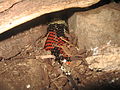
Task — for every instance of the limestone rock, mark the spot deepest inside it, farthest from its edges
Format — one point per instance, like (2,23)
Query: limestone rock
(108,60)
(97,27)
(16,12)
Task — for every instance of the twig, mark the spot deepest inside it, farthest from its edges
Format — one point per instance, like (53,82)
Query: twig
(45,56)
(68,42)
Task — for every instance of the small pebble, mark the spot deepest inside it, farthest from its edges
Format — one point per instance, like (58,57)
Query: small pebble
(28,86)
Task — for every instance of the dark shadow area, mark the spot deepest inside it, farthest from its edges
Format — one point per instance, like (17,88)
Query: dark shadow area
(101,87)
(44,19)
(23,27)
(101,3)
(105,87)
(117,1)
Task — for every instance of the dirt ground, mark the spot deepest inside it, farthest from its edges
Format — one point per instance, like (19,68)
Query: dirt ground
(25,70)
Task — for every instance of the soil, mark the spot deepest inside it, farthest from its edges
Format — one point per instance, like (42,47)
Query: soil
(27,71)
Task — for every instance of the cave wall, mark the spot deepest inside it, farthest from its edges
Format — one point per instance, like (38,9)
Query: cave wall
(96,27)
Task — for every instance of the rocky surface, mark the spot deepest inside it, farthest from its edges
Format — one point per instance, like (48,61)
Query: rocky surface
(107,59)
(96,27)
(16,12)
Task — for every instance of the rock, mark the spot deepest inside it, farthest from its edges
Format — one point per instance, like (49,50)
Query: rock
(107,59)
(96,27)
(16,12)
(14,45)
